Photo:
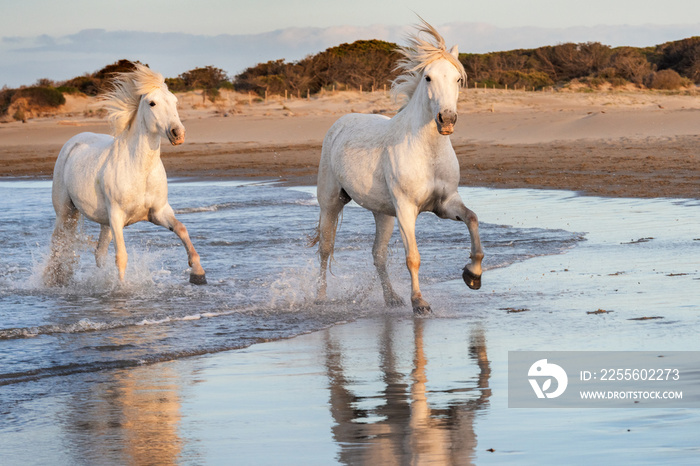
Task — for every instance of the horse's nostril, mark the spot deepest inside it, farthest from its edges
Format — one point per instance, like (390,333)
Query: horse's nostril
(440,118)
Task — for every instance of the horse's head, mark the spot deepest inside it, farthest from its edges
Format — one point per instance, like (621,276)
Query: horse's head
(158,109)
(442,81)
(433,73)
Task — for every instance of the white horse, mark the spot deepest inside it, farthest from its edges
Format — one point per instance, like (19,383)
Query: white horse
(400,167)
(117,181)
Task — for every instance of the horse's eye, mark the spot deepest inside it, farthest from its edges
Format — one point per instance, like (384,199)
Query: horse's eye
(427,78)
(460,80)
(152,104)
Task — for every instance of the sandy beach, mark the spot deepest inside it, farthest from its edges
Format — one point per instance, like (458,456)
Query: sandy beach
(610,179)
(608,143)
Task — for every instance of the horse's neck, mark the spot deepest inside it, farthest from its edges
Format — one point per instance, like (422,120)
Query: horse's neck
(417,121)
(140,147)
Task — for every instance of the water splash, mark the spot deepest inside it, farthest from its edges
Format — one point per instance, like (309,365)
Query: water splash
(262,278)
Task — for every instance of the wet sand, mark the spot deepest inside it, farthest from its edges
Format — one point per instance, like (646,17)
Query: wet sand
(607,144)
(659,168)
(394,389)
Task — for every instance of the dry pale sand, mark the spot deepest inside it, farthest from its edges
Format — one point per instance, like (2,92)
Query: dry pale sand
(609,143)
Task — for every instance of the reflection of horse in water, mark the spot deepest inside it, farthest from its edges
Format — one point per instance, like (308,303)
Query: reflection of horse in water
(134,417)
(405,427)
(130,416)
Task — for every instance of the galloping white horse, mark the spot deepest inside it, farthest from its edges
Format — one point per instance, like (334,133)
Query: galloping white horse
(401,166)
(117,181)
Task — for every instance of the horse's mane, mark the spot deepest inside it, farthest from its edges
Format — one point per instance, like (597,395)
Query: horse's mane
(418,54)
(122,101)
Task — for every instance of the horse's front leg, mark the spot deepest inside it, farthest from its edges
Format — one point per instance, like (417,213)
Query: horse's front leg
(116,223)
(103,245)
(406,216)
(166,218)
(455,209)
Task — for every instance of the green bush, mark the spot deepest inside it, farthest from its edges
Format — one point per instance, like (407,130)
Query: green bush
(175,84)
(88,85)
(121,66)
(680,56)
(20,116)
(6,99)
(209,79)
(618,82)
(534,79)
(665,80)
(41,96)
(595,82)
(37,98)
(364,63)
(68,90)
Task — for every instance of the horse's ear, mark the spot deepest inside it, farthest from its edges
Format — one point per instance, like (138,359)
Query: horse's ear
(454,51)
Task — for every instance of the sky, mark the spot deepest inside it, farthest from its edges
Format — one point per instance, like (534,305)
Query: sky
(60,40)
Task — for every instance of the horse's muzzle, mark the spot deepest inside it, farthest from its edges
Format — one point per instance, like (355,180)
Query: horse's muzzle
(446,130)
(445,121)
(176,136)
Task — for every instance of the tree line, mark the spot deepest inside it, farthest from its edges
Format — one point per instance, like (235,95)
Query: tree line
(370,64)
(667,66)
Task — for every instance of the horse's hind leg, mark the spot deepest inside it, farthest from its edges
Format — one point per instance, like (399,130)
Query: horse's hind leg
(166,217)
(62,257)
(385,227)
(103,245)
(331,202)
(455,209)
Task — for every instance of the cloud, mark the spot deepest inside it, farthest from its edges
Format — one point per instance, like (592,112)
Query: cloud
(23,60)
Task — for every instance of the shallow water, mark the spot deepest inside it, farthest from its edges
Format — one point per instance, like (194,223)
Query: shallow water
(252,240)
(89,348)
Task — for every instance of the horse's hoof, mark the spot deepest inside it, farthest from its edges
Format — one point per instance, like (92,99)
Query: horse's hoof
(422,311)
(197,279)
(472,280)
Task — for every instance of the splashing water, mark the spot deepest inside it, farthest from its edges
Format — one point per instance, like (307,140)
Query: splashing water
(262,277)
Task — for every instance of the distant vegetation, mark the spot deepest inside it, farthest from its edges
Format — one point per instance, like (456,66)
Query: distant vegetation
(668,66)
(370,64)
(208,79)
(26,98)
(46,94)
(364,63)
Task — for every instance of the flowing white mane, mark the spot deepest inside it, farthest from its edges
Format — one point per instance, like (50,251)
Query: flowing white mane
(122,102)
(417,55)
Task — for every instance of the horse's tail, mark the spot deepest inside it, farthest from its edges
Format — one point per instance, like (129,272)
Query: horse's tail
(312,239)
